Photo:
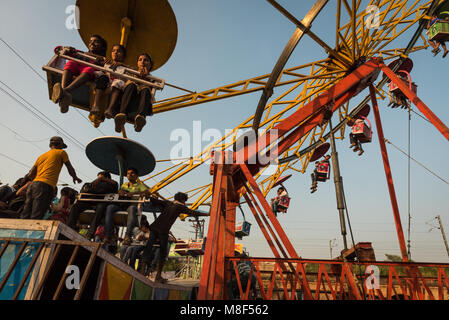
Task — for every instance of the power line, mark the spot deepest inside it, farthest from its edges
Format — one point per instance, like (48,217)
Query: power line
(389,142)
(18,134)
(40,115)
(40,76)
(21,58)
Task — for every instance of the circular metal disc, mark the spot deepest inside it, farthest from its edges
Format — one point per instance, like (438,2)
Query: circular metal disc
(154,28)
(281,180)
(320,151)
(105,152)
(362,113)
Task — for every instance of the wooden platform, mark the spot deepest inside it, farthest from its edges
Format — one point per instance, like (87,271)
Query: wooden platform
(109,277)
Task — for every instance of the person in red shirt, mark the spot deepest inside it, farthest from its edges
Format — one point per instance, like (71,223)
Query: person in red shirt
(76,74)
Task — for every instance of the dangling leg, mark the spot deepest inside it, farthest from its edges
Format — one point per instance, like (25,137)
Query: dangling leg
(58,89)
(117,87)
(120,119)
(314,182)
(357,145)
(352,140)
(361,151)
(66,99)
(433,45)
(437,49)
(113,101)
(101,84)
(274,207)
(393,100)
(145,108)
(445,49)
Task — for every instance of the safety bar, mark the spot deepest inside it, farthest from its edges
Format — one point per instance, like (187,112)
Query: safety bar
(159,85)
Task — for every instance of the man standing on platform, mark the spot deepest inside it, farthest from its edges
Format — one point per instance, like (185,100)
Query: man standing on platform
(159,230)
(45,175)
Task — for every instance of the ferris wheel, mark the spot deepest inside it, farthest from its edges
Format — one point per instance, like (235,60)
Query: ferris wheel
(364,29)
(299,119)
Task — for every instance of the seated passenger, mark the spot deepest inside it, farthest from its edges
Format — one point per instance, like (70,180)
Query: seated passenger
(102,185)
(353,139)
(12,198)
(315,172)
(142,92)
(75,74)
(62,208)
(130,253)
(109,82)
(275,201)
(133,189)
(436,44)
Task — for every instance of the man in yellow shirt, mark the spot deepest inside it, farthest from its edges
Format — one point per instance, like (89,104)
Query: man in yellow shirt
(45,175)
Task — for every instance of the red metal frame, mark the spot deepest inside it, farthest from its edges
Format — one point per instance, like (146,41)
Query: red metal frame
(233,179)
(383,148)
(416,101)
(336,280)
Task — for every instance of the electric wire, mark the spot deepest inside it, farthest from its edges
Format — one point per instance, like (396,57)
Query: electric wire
(21,58)
(42,117)
(408,184)
(58,129)
(40,76)
(25,140)
(430,171)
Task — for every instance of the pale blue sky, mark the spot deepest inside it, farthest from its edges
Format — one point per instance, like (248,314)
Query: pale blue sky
(222,42)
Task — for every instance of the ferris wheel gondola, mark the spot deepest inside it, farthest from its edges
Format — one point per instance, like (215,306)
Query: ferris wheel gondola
(139,26)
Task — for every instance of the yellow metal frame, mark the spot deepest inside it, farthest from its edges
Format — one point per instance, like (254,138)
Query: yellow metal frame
(353,42)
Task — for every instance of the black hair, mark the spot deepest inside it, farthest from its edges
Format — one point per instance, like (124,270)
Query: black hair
(149,58)
(70,193)
(144,223)
(66,191)
(121,48)
(181,197)
(134,170)
(20,182)
(281,188)
(105,173)
(104,43)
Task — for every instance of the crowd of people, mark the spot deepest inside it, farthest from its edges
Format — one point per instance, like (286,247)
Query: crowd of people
(35,197)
